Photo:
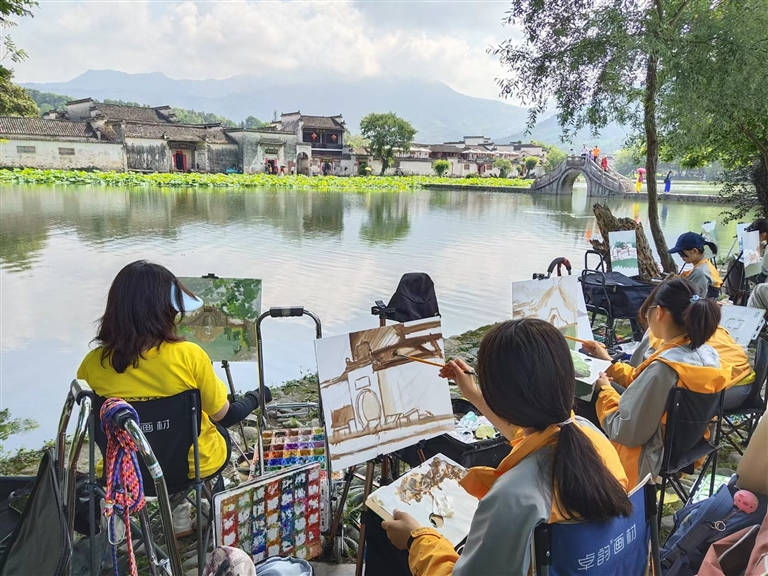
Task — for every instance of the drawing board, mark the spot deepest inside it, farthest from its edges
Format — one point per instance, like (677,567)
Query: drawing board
(225,326)
(741,228)
(751,253)
(587,371)
(375,402)
(432,495)
(708,230)
(557,300)
(623,246)
(743,324)
(276,515)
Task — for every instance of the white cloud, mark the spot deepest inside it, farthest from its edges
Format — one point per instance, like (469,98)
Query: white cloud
(276,40)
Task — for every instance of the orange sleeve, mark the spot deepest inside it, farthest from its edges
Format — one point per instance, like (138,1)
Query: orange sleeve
(621,372)
(607,402)
(431,554)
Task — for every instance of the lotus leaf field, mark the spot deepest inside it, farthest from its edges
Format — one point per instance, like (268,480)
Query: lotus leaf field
(198,180)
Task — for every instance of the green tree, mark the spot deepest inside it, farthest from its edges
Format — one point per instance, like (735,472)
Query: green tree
(441,167)
(503,165)
(717,109)
(14,100)
(530,163)
(47,101)
(355,140)
(555,157)
(252,122)
(387,133)
(627,160)
(601,61)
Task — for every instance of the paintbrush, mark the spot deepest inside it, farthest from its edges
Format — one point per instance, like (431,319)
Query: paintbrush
(415,359)
(576,339)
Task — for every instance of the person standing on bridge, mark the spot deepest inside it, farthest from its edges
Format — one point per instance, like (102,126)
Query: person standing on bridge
(595,153)
(584,151)
(604,164)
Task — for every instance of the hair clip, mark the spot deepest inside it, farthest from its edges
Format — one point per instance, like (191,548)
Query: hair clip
(695,298)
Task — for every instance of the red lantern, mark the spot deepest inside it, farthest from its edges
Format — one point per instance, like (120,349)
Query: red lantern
(334,137)
(314,137)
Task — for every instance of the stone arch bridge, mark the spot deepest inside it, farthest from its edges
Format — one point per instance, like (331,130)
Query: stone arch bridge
(599,182)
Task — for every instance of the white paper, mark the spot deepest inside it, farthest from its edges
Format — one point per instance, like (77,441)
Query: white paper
(456,527)
(375,403)
(751,253)
(743,324)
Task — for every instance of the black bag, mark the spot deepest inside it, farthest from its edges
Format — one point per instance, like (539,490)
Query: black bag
(621,295)
(735,280)
(482,453)
(414,299)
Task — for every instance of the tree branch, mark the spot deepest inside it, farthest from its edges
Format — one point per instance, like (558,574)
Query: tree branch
(679,13)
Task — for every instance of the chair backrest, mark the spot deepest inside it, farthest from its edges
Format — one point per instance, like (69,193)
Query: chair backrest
(754,400)
(40,543)
(689,416)
(171,426)
(619,546)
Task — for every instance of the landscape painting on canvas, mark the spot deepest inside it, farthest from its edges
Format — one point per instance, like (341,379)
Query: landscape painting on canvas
(376,402)
(751,253)
(624,252)
(560,301)
(225,326)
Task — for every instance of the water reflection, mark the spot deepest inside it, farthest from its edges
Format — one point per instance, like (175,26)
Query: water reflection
(334,253)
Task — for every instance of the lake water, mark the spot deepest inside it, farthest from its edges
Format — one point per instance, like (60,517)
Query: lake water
(334,253)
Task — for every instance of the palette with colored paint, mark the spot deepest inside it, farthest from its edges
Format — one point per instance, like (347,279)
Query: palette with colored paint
(277,515)
(290,447)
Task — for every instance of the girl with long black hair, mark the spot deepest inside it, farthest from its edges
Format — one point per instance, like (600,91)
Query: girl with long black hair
(561,467)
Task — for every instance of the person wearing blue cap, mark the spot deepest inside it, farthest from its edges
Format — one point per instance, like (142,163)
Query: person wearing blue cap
(704,276)
(140,356)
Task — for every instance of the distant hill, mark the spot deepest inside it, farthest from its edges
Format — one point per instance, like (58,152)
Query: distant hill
(49,101)
(548,131)
(438,112)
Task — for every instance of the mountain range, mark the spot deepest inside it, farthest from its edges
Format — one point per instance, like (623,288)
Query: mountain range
(438,112)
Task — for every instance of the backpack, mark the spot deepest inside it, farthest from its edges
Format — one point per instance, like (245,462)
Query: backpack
(699,524)
(735,277)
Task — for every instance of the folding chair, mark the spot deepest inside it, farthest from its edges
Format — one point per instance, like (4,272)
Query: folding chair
(689,416)
(753,407)
(171,426)
(619,546)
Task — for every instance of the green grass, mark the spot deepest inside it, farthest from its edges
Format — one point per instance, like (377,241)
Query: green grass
(196,180)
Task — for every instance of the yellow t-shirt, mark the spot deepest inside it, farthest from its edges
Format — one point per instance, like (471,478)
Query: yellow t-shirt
(173,368)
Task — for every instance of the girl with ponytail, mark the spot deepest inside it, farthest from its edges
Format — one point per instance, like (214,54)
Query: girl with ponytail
(561,467)
(682,322)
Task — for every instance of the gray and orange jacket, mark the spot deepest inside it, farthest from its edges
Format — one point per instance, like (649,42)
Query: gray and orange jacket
(634,421)
(704,275)
(513,501)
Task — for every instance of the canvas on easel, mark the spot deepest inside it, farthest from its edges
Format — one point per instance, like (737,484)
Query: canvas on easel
(225,326)
(623,248)
(375,400)
(560,301)
(276,515)
(751,253)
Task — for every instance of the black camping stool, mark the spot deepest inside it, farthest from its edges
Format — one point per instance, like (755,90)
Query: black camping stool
(172,426)
(739,433)
(689,416)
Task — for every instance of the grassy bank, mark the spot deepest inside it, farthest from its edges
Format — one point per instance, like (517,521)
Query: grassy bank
(195,180)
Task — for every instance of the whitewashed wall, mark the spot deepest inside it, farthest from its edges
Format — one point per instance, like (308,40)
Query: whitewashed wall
(101,155)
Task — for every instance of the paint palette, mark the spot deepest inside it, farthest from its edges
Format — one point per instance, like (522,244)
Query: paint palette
(290,447)
(277,515)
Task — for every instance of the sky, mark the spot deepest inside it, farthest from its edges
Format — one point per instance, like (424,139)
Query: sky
(278,40)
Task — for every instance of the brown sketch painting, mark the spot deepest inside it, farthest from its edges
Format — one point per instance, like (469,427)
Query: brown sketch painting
(375,400)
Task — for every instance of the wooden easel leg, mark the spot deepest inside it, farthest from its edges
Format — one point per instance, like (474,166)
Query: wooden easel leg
(363,514)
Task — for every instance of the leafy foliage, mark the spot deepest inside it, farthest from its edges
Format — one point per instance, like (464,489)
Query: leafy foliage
(356,140)
(744,190)
(261,180)
(601,60)
(503,165)
(387,133)
(18,462)
(627,160)
(15,100)
(555,157)
(47,101)
(440,167)
(531,162)
(193,117)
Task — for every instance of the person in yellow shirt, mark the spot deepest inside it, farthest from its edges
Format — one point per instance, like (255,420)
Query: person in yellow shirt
(141,357)
(703,275)
(561,466)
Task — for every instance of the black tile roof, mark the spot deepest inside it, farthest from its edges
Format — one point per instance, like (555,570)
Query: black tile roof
(14,125)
